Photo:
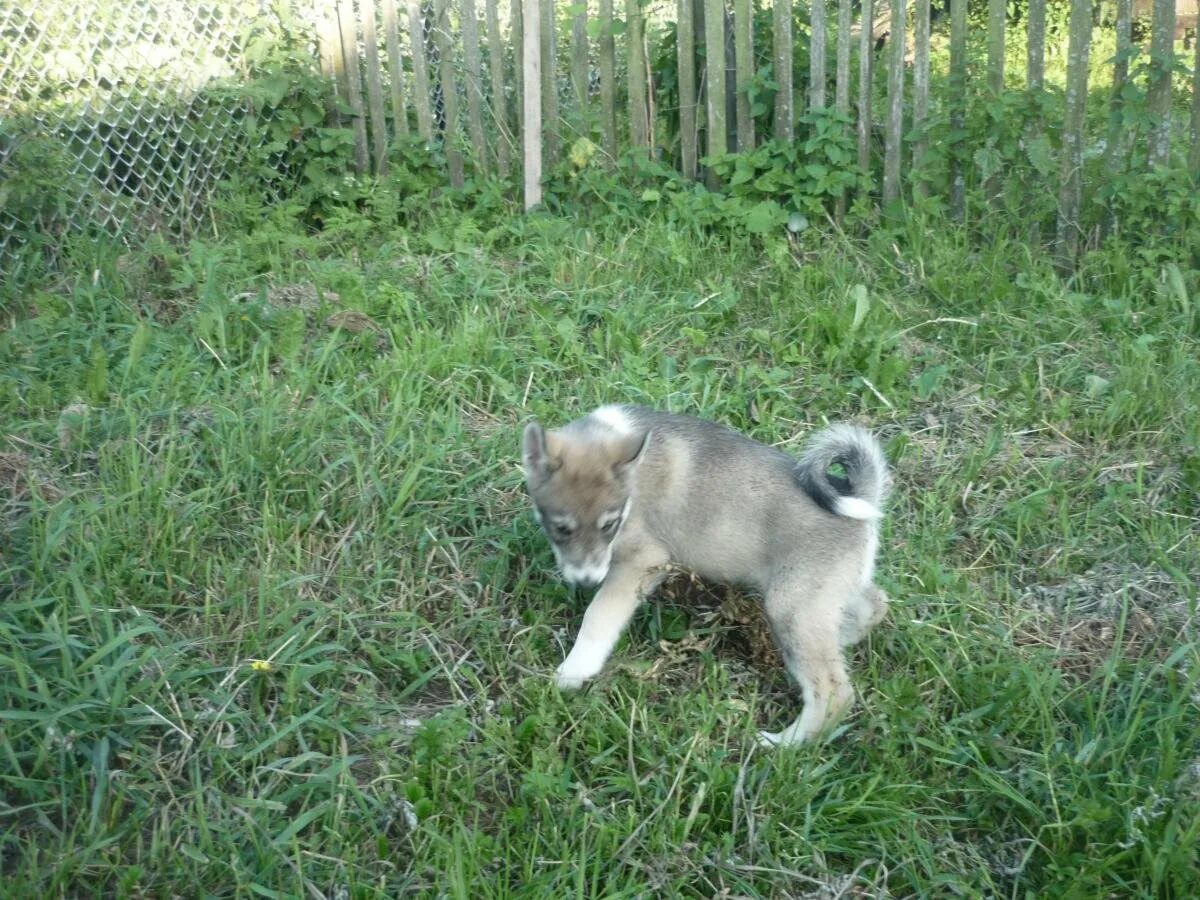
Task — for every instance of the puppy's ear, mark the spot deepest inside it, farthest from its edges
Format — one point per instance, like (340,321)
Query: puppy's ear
(629,451)
(535,453)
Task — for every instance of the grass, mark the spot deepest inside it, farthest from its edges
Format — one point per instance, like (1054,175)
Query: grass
(277,621)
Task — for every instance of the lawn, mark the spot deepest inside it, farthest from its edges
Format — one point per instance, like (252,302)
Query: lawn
(276,620)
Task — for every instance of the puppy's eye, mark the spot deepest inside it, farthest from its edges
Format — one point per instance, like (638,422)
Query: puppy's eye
(561,531)
(611,522)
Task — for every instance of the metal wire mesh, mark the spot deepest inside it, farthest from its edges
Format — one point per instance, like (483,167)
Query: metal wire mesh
(126,109)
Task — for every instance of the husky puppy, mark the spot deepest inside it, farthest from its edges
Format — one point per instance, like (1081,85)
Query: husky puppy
(626,494)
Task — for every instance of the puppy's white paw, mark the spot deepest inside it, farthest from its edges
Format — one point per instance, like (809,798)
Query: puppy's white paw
(582,664)
(570,676)
(769,739)
(567,681)
(778,739)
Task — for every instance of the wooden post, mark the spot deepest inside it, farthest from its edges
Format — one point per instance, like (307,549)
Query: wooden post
(920,98)
(421,96)
(532,100)
(865,56)
(816,56)
(997,10)
(579,60)
(374,86)
(714,58)
(1158,94)
(353,81)
(743,37)
(785,125)
(550,123)
(445,45)
(958,104)
(1071,191)
(1035,37)
(893,150)
(495,46)
(686,50)
(474,60)
(608,80)
(391,31)
(635,48)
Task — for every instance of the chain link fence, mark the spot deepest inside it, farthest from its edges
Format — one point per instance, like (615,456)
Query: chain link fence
(123,114)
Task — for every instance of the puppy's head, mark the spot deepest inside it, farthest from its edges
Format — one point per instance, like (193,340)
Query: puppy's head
(580,484)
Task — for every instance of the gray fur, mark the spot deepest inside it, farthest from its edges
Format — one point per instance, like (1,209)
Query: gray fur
(699,496)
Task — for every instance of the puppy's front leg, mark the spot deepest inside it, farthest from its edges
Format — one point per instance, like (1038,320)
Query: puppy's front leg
(605,619)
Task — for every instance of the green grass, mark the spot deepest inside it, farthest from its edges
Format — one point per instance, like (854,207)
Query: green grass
(199,472)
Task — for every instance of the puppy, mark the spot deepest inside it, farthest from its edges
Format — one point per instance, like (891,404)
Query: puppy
(626,494)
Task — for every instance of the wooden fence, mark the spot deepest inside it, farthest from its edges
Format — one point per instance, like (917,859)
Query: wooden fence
(552,71)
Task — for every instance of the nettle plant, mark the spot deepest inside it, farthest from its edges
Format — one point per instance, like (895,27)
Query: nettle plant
(799,179)
(299,154)
(776,186)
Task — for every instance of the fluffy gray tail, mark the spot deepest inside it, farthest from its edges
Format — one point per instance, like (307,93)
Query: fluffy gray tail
(860,492)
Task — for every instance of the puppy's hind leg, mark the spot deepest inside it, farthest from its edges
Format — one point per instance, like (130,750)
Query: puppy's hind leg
(807,628)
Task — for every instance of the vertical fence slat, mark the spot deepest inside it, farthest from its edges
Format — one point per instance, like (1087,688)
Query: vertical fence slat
(841,91)
(1035,39)
(920,96)
(550,123)
(579,59)
(731,137)
(391,30)
(531,122)
(816,55)
(784,114)
(495,45)
(714,59)
(517,26)
(686,50)
(1114,152)
(635,49)
(1035,74)
(743,38)
(329,47)
(474,59)
(865,58)
(958,104)
(444,39)
(608,79)
(374,86)
(997,9)
(1194,152)
(420,64)
(1158,95)
(892,151)
(353,82)
(1070,192)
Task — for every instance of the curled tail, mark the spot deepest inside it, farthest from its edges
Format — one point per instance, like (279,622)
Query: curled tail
(859,493)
